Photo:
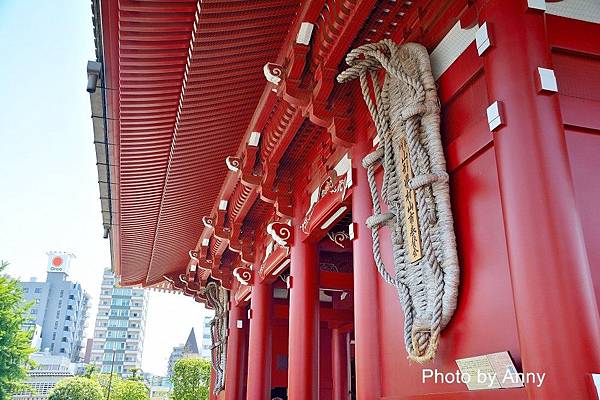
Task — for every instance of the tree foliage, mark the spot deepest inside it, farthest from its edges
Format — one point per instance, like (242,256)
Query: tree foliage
(15,343)
(77,388)
(105,380)
(130,390)
(191,379)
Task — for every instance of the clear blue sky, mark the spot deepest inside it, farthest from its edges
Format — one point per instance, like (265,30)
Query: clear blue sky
(49,195)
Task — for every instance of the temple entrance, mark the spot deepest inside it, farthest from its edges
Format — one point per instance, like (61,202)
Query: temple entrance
(336,311)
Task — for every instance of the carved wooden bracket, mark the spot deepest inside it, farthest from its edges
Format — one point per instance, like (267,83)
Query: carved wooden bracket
(274,73)
(235,243)
(340,238)
(242,294)
(208,222)
(330,194)
(224,276)
(247,166)
(244,275)
(341,130)
(194,261)
(221,231)
(324,82)
(268,179)
(282,234)
(283,206)
(179,283)
(247,255)
(275,260)
(233,163)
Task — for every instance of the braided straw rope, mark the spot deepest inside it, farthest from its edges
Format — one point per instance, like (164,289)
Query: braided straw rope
(216,297)
(406,108)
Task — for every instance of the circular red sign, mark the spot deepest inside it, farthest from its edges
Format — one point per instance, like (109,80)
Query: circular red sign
(57,261)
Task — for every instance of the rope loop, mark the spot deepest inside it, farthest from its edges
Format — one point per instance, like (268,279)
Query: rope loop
(427,179)
(373,158)
(377,220)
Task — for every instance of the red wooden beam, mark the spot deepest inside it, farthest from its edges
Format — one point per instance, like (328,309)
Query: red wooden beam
(326,314)
(336,280)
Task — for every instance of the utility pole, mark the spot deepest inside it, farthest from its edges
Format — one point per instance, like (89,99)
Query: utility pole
(112,367)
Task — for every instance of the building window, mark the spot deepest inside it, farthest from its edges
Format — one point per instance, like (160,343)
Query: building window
(33,311)
(120,302)
(38,290)
(118,323)
(121,292)
(25,290)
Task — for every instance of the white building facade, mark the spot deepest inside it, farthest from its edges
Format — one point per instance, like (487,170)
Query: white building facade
(59,309)
(48,371)
(206,349)
(119,331)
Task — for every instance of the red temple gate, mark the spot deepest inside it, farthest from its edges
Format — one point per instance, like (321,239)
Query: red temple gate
(215,169)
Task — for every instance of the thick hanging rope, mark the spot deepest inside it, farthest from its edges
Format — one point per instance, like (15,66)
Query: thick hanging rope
(405,110)
(216,298)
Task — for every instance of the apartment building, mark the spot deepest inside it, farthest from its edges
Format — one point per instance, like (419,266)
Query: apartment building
(118,341)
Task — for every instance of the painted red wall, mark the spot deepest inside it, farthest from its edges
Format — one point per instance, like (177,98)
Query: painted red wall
(584,155)
(485,319)
(577,68)
(280,354)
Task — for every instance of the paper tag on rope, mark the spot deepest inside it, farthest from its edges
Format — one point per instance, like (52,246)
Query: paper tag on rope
(409,201)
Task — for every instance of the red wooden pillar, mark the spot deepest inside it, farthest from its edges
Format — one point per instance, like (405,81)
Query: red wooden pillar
(303,361)
(211,393)
(557,315)
(366,289)
(339,363)
(236,353)
(259,344)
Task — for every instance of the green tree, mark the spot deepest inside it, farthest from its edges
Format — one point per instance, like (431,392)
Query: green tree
(15,343)
(90,370)
(77,388)
(105,380)
(130,390)
(135,374)
(191,379)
